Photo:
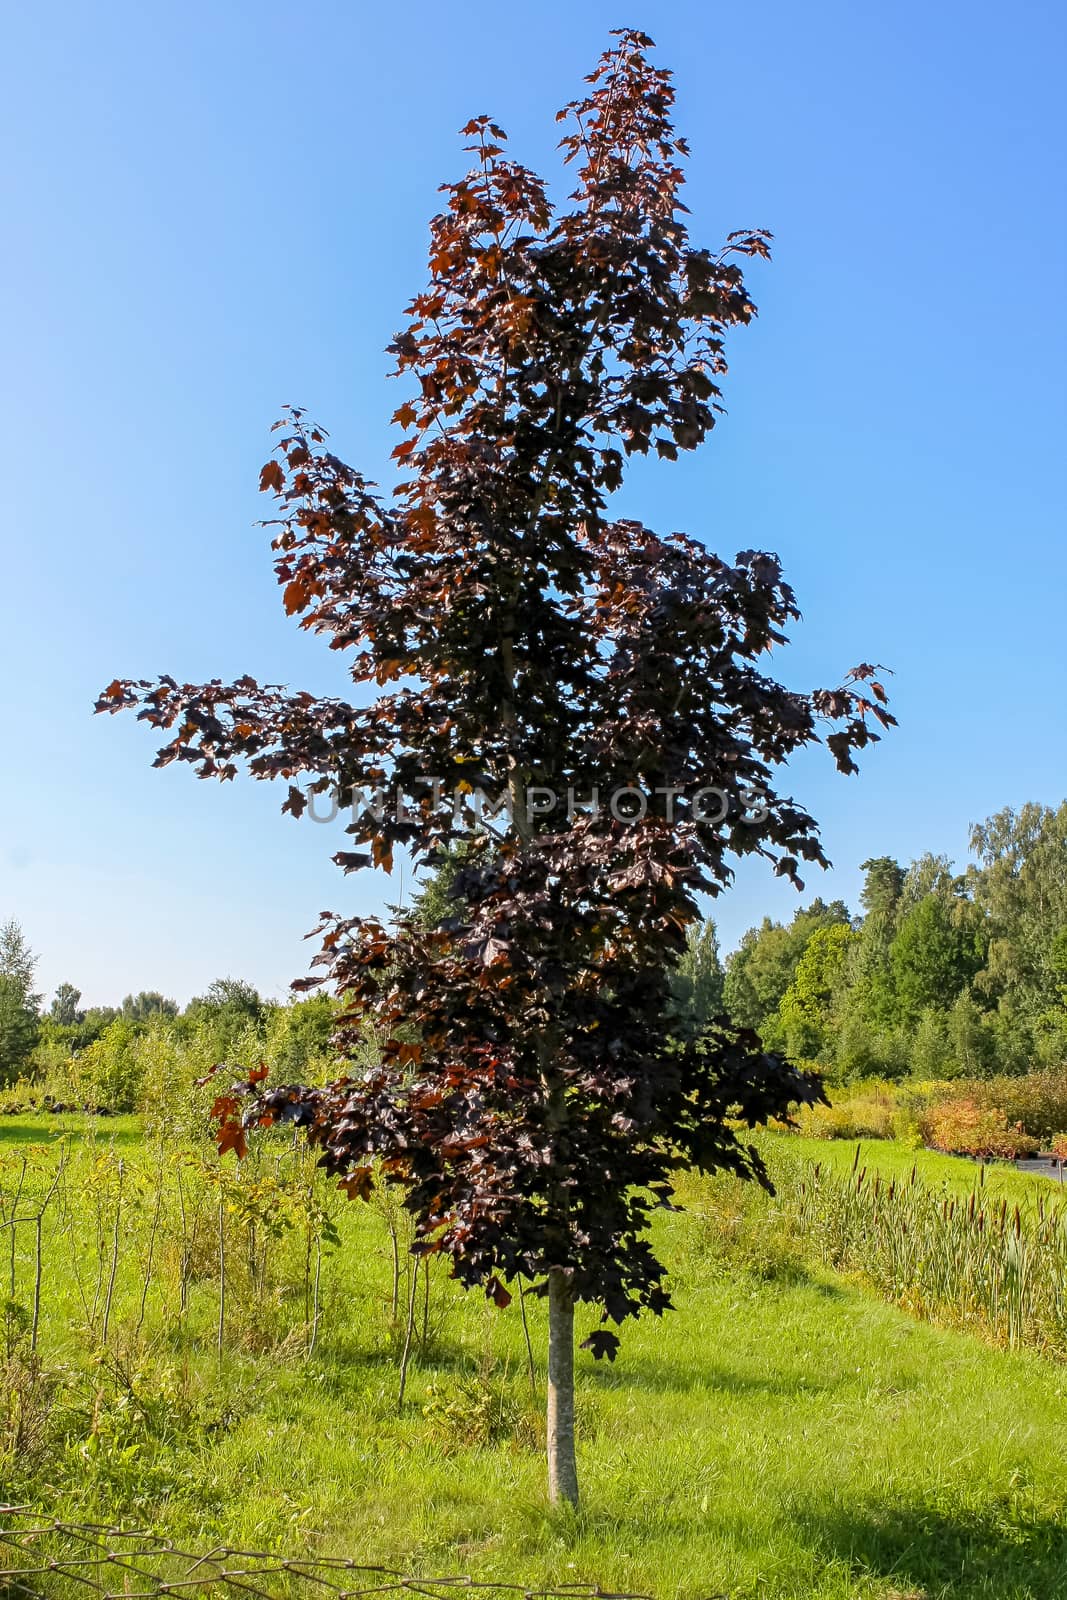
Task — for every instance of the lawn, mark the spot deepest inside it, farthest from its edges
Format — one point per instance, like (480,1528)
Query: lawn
(782,1434)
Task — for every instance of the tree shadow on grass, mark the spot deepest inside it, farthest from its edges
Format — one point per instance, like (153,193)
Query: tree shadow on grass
(678,1377)
(344,1366)
(992,1553)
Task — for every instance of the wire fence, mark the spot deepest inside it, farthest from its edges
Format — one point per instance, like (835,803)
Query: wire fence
(41,1560)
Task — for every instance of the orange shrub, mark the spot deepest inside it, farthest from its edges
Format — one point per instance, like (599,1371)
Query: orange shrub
(961,1127)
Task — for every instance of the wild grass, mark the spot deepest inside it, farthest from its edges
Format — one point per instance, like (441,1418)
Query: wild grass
(784,1433)
(978,1261)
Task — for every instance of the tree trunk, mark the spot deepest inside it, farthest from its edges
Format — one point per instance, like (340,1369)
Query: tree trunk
(562,1471)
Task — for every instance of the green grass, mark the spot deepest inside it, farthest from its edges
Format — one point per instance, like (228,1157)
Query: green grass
(783,1434)
(896,1160)
(23,1130)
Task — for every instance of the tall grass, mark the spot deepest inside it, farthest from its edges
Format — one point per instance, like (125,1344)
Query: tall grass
(973,1261)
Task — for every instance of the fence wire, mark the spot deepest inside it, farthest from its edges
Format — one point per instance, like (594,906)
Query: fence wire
(41,1560)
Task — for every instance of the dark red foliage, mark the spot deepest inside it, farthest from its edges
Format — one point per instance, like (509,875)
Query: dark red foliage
(532,1093)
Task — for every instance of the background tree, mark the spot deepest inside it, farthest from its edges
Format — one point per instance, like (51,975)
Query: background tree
(930,1052)
(970,1042)
(64,1007)
(932,958)
(437,898)
(882,887)
(149,1003)
(95,1021)
(231,1011)
(531,1096)
(17,961)
(697,982)
(858,1051)
(950,974)
(19,1005)
(869,980)
(18,1030)
(806,1011)
(233,994)
(760,970)
(1019,884)
(303,1033)
(1058,962)
(927,874)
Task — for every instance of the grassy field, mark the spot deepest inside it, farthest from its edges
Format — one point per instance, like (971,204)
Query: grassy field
(896,1160)
(783,1434)
(116,1132)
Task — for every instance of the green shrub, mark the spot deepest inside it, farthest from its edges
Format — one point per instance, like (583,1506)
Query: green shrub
(1050,1037)
(970,1043)
(1011,1041)
(16,1099)
(476,1411)
(868,1115)
(174,1100)
(856,1051)
(298,1045)
(107,1075)
(1038,1100)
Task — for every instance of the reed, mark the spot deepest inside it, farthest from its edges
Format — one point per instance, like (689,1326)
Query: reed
(978,1260)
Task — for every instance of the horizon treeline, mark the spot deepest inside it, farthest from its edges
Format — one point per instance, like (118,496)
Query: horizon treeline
(939,974)
(104,1056)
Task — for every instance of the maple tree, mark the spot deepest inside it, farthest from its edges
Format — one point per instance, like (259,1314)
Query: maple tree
(532,1091)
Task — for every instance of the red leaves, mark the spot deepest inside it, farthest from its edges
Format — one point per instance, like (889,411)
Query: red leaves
(359,1184)
(226,1111)
(496,1292)
(495,953)
(231,1136)
(295,802)
(351,860)
(272,477)
(300,591)
(230,1133)
(601,1342)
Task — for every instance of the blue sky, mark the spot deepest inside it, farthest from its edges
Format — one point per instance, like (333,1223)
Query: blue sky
(215,209)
